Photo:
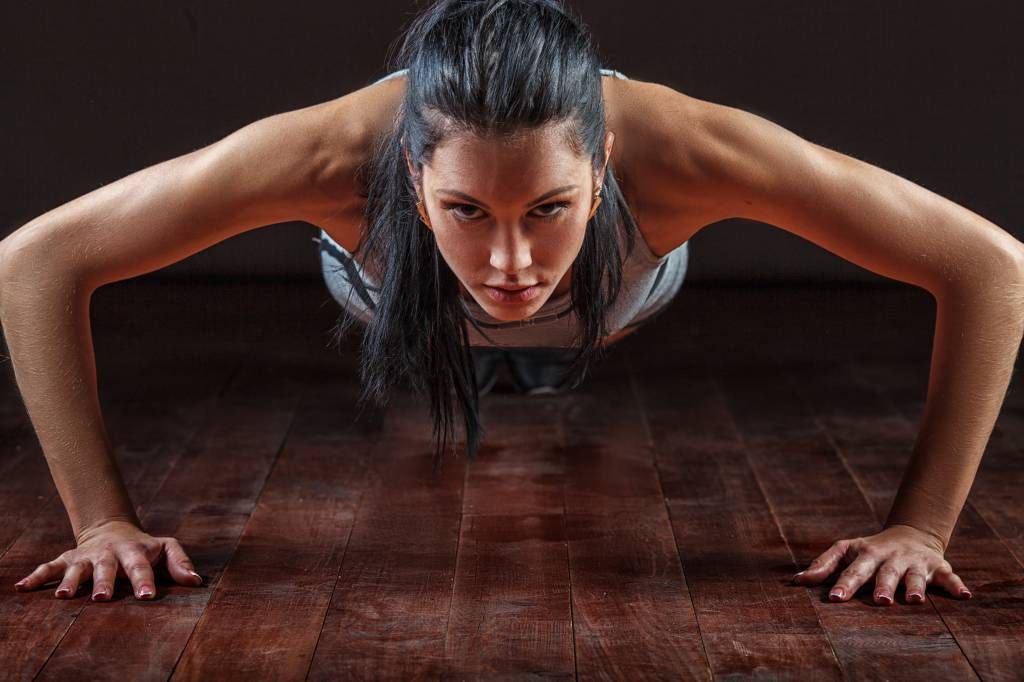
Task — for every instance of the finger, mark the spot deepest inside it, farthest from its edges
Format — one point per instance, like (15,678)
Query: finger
(855,575)
(887,578)
(824,565)
(179,565)
(951,582)
(103,576)
(73,577)
(916,585)
(139,572)
(43,573)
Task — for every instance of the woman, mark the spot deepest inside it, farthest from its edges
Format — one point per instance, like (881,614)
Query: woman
(501,157)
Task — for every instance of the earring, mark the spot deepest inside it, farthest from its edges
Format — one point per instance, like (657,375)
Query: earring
(597,202)
(423,213)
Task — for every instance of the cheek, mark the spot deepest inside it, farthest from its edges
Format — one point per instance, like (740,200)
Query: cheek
(459,252)
(569,242)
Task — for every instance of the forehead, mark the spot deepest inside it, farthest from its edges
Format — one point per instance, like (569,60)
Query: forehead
(496,166)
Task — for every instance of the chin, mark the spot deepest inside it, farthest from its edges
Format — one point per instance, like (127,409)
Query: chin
(511,313)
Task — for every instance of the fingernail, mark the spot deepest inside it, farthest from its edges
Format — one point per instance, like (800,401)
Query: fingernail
(836,594)
(196,575)
(966,593)
(798,575)
(21,583)
(915,597)
(146,592)
(884,598)
(102,594)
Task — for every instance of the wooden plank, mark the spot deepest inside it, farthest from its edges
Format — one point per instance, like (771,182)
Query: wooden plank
(736,561)
(632,613)
(277,587)
(205,503)
(511,613)
(816,502)
(389,612)
(520,468)
(988,626)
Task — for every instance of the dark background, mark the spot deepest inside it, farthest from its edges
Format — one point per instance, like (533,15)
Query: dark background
(928,90)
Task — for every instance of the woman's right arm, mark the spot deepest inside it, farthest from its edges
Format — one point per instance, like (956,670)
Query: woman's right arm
(299,165)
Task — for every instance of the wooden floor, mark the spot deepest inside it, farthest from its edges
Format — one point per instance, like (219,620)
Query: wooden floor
(644,526)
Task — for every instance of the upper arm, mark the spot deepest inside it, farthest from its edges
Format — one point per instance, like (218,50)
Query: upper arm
(281,168)
(745,166)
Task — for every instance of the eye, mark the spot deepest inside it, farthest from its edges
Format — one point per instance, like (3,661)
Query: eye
(457,210)
(454,209)
(562,206)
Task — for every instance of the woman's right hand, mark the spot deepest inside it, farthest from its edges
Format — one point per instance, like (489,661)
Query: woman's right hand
(111,549)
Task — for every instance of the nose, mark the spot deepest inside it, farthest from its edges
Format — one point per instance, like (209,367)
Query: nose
(510,252)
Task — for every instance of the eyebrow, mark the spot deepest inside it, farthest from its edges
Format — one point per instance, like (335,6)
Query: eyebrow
(542,197)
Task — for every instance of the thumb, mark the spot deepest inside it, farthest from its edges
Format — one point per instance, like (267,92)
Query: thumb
(179,565)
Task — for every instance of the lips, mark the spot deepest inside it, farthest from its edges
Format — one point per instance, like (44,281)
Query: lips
(513,296)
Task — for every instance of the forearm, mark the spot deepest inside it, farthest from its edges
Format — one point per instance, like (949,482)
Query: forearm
(45,318)
(978,332)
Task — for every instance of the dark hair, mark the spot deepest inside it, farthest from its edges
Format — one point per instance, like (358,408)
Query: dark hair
(491,68)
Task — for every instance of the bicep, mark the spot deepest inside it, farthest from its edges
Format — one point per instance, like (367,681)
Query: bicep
(264,173)
(874,218)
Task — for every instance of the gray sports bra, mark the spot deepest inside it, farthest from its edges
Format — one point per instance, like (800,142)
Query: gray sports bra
(649,283)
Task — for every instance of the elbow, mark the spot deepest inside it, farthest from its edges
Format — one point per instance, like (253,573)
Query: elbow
(22,258)
(1009,264)
(1017,259)
(1005,277)
(4,269)
(995,274)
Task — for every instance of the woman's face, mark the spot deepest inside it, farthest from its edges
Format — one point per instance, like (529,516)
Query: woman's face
(509,213)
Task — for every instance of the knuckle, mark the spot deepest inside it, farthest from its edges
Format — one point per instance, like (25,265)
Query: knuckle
(889,573)
(136,566)
(869,552)
(857,574)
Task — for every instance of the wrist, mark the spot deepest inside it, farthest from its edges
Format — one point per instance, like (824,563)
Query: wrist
(85,532)
(930,537)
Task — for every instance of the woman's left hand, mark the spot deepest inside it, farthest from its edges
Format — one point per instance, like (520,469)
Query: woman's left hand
(897,553)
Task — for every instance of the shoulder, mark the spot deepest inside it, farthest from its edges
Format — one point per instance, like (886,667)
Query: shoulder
(346,129)
(675,150)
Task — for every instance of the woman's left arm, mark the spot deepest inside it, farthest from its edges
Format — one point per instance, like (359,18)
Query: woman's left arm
(752,168)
